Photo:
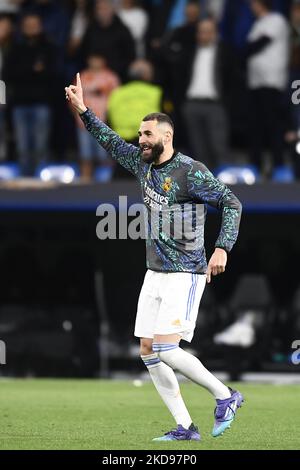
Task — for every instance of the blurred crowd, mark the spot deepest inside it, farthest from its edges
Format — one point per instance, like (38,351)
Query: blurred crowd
(223,69)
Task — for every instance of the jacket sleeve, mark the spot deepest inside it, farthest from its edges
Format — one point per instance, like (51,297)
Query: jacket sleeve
(127,155)
(257,46)
(204,188)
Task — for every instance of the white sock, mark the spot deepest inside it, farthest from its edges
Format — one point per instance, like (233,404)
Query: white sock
(166,384)
(189,366)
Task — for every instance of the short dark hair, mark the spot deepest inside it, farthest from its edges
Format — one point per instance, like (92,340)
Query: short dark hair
(160,118)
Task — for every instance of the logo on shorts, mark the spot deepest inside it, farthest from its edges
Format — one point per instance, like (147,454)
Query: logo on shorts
(176,322)
(167,185)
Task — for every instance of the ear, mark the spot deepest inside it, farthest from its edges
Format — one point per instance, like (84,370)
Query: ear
(168,136)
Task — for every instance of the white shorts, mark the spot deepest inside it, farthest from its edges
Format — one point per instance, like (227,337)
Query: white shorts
(168,304)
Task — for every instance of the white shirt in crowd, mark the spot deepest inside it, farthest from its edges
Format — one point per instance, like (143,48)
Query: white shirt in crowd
(269,67)
(79,25)
(216,8)
(202,84)
(136,20)
(9,6)
(1,62)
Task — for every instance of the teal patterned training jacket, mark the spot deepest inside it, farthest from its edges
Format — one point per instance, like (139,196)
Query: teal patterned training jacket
(175,194)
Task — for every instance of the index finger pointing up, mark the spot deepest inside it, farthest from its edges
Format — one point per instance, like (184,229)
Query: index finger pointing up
(78,80)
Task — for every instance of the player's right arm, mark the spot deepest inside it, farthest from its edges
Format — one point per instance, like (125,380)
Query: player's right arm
(126,154)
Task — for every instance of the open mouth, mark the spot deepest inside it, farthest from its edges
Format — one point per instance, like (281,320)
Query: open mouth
(146,148)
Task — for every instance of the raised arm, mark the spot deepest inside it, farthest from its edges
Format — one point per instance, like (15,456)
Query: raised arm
(74,94)
(126,154)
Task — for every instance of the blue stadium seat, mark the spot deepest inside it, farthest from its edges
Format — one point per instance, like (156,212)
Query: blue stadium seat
(283,174)
(9,171)
(61,172)
(103,174)
(237,174)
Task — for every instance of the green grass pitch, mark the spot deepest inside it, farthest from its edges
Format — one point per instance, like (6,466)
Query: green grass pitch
(109,415)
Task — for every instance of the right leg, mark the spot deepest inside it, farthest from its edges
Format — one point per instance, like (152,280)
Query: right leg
(162,375)
(21,124)
(256,127)
(195,128)
(218,134)
(41,128)
(275,115)
(165,382)
(85,154)
(2,135)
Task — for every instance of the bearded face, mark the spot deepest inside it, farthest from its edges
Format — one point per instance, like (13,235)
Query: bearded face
(152,152)
(154,138)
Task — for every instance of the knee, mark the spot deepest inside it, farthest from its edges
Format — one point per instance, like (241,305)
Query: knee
(167,353)
(146,347)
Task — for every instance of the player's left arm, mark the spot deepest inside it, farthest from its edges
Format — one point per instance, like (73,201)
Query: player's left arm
(205,188)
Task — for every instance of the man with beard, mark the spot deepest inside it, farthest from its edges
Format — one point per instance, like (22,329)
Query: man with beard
(176,262)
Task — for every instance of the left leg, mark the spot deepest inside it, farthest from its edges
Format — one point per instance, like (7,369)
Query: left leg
(169,351)
(176,321)
(218,134)
(2,134)
(41,128)
(162,375)
(166,383)
(274,110)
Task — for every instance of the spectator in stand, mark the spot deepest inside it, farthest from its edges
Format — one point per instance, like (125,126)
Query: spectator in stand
(108,36)
(175,47)
(208,80)
(267,77)
(238,18)
(98,82)
(56,26)
(295,41)
(29,72)
(6,38)
(136,20)
(10,7)
(130,102)
(81,12)
(179,40)
(216,8)
(158,13)
(80,19)
(55,19)
(213,8)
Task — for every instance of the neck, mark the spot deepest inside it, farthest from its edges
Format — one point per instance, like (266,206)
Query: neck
(165,156)
(263,13)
